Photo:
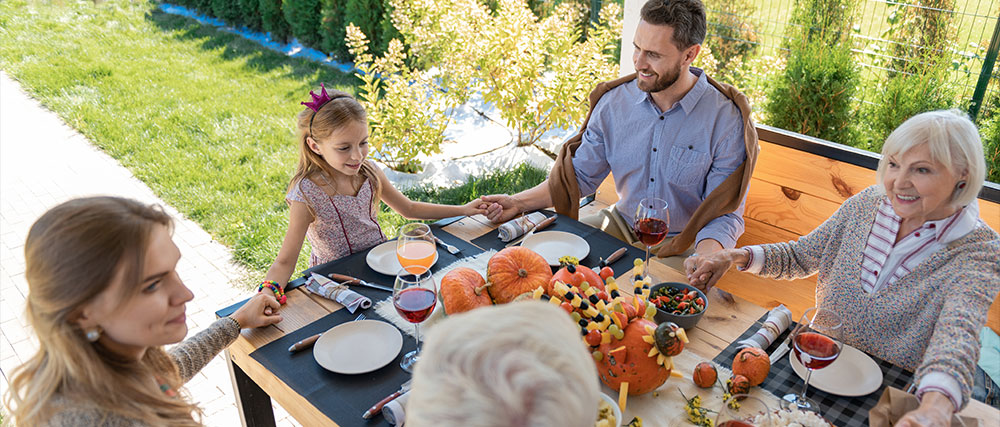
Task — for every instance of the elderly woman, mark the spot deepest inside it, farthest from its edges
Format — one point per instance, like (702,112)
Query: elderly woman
(103,298)
(519,364)
(907,264)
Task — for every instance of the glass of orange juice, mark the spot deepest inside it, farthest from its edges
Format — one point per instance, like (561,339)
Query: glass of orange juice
(415,247)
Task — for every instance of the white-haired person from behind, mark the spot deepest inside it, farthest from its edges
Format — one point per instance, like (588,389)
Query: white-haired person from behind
(519,364)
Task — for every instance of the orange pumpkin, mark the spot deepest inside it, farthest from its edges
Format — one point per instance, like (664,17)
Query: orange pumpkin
(738,384)
(753,363)
(463,289)
(565,276)
(705,375)
(515,271)
(627,360)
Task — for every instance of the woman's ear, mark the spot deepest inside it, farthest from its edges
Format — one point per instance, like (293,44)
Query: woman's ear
(313,146)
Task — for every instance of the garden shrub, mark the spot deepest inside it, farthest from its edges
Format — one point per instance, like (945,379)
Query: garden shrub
(332,28)
(989,129)
(813,94)
(250,14)
(273,20)
(731,37)
(303,18)
(227,10)
(367,16)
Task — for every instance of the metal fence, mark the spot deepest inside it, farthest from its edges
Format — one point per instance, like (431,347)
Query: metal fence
(972,33)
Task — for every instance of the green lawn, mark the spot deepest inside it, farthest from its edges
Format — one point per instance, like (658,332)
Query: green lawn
(204,117)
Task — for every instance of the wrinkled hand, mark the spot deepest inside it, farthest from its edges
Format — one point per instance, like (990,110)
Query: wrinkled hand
(935,410)
(704,271)
(501,207)
(261,310)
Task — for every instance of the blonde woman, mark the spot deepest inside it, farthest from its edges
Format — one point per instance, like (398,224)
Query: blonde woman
(519,364)
(104,297)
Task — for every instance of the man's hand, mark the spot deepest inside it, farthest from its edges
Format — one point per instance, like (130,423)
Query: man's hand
(704,271)
(935,410)
(502,207)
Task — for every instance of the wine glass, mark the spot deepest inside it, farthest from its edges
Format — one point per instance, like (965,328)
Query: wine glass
(415,247)
(414,295)
(751,412)
(652,220)
(816,342)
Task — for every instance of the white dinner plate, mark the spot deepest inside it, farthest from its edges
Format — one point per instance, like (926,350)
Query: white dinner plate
(382,258)
(553,245)
(358,347)
(852,374)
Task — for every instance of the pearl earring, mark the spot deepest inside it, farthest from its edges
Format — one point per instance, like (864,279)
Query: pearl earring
(93,334)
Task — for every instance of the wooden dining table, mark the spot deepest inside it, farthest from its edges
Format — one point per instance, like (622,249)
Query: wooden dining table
(255,385)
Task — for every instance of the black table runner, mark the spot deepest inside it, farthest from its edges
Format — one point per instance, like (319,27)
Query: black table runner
(840,410)
(601,244)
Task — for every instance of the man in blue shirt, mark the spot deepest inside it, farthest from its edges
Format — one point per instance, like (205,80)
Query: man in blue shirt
(667,133)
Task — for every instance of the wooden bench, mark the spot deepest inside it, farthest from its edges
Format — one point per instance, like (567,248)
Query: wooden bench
(798,183)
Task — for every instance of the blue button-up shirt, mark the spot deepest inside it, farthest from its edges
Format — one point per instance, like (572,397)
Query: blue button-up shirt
(679,155)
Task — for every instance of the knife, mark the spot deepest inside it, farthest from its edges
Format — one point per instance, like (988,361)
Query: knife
(541,225)
(781,350)
(611,259)
(348,280)
(376,408)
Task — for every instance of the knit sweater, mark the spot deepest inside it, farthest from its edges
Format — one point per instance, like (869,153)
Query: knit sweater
(927,320)
(190,356)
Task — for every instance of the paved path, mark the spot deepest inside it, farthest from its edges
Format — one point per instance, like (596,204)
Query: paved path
(44,162)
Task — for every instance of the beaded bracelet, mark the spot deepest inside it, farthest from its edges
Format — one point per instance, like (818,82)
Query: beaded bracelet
(279,294)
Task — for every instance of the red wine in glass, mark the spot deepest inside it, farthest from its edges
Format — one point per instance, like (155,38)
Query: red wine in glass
(815,350)
(735,423)
(651,231)
(415,304)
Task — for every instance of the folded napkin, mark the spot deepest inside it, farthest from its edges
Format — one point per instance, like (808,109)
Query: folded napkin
(329,289)
(514,228)
(394,411)
(895,403)
(778,319)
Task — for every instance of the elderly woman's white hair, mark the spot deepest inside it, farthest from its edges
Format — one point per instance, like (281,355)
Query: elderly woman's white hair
(518,364)
(953,141)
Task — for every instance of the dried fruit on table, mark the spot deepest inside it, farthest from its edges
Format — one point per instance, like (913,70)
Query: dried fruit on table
(705,375)
(515,271)
(463,289)
(753,363)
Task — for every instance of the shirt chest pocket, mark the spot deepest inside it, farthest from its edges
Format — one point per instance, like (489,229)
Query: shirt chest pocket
(687,166)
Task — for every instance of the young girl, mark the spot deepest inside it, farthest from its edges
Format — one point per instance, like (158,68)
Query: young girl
(335,193)
(103,298)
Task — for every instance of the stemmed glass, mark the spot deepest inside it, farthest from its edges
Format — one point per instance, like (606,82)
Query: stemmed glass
(414,295)
(751,412)
(415,246)
(652,220)
(816,342)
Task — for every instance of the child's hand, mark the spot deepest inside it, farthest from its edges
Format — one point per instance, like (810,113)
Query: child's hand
(261,310)
(475,207)
(501,207)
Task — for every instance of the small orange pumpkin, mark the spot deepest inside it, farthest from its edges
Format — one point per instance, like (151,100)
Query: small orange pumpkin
(515,271)
(463,289)
(753,363)
(705,375)
(739,384)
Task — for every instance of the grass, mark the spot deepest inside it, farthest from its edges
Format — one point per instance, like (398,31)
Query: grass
(205,118)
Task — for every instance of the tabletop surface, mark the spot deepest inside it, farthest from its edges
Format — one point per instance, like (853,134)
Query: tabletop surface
(721,325)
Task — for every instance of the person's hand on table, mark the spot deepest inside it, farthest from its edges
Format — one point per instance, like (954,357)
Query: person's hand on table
(704,271)
(476,206)
(501,207)
(261,310)
(935,410)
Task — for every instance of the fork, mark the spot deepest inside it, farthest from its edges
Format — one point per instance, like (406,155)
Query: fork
(308,342)
(360,317)
(451,249)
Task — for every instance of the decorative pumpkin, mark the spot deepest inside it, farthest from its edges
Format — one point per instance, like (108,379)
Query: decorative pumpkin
(668,340)
(463,289)
(514,271)
(628,360)
(565,275)
(753,363)
(705,375)
(739,384)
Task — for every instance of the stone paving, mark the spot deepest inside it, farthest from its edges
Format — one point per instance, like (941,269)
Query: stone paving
(44,162)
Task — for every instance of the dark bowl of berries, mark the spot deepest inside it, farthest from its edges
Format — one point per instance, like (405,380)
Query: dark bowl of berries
(678,302)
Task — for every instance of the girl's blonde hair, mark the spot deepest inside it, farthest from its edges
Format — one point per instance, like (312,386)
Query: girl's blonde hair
(72,254)
(336,113)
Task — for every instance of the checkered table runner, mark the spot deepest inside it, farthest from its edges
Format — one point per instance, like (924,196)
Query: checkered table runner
(841,411)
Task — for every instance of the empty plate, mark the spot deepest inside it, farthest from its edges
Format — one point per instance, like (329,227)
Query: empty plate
(382,259)
(553,245)
(357,347)
(852,374)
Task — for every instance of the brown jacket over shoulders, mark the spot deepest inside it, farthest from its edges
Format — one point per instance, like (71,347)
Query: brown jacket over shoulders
(565,190)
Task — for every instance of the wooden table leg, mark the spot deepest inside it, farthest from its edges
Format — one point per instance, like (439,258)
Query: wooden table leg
(253,404)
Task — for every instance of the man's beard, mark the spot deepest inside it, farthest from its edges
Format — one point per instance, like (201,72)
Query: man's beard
(662,81)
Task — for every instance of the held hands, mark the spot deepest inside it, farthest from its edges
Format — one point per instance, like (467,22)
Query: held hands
(261,310)
(500,208)
(475,207)
(704,271)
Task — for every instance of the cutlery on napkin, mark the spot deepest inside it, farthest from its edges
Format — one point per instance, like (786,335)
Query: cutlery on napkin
(545,223)
(348,280)
(778,319)
(327,288)
(393,411)
(377,407)
(510,230)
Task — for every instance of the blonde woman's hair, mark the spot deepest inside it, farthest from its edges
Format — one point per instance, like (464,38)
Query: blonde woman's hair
(952,140)
(72,254)
(341,110)
(518,364)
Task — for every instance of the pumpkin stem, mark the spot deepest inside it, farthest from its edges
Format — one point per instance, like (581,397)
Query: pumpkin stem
(522,273)
(479,289)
